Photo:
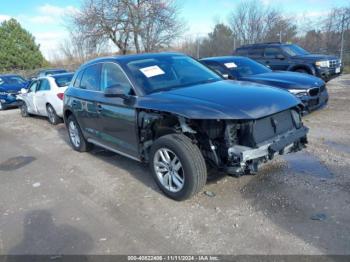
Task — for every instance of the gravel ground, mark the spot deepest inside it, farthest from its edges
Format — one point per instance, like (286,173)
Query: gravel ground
(57,201)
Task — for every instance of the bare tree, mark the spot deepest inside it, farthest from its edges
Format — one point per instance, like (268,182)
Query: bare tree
(100,20)
(312,41)
(160,25)
(79,48)
(335,26)
(252,22)
(146,25)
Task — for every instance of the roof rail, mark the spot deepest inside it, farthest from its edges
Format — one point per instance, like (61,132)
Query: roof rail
(264,43)
(277,42)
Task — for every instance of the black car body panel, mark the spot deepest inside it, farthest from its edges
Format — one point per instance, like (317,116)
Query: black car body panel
(236,125)
(225,99)
(283,60)
(315,93)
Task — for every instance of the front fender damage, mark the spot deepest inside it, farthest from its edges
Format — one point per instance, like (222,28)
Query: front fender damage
(235,146)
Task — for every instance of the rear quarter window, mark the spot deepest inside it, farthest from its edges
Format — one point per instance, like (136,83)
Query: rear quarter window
(62,81)
(77,79)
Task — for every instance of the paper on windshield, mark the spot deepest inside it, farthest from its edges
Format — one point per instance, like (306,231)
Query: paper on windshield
(152,71)
(230,65)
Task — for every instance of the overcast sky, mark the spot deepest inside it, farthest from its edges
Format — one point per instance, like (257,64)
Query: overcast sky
(45,18)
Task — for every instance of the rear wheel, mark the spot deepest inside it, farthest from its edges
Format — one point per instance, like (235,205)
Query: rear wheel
(178,166)
(54,119)
(77,140)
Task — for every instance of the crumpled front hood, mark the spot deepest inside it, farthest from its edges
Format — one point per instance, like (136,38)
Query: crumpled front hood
(220,100)
(287,80)
(12,88)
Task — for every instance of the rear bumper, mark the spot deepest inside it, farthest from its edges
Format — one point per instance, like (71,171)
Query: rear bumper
(249,159)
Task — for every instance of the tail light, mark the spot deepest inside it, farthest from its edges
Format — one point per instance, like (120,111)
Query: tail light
(60,96)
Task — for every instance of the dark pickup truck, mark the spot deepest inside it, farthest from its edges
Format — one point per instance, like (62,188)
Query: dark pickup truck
(291,57)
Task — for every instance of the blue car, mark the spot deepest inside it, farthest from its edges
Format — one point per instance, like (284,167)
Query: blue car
(10,85)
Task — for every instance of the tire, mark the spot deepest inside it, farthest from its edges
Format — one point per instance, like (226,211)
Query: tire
(24,110)
(76,138)
(1,106)
(303,71)
(53,118)
(178,183)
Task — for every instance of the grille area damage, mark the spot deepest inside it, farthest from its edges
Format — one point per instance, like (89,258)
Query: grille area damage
(237,147)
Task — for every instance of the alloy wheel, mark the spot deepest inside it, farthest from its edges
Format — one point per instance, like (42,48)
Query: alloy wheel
(74,133)
(169,170)
(51,114)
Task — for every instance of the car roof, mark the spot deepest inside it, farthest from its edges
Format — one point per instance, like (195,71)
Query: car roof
(128,58)
(52,69)
(55,75)
(262,45)
(224,58)
(62,74)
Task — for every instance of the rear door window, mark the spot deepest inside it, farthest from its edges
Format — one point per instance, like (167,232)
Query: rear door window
(77,80)
(256,52)
(272,52)
(44,85)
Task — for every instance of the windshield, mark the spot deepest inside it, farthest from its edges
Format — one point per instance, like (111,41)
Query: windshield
(12,80)
(294,50)
(168,72)
(242,67)
(63,80)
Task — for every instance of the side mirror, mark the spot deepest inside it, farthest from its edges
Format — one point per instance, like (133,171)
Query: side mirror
(115,91)
(24,91)
(280,56)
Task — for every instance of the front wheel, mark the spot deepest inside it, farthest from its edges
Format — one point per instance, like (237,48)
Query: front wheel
(76,137)
(24,110)
(303,71)
(178,166)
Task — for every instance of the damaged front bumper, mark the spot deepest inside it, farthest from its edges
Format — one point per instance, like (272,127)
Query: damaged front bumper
(314,103)
(246,160)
